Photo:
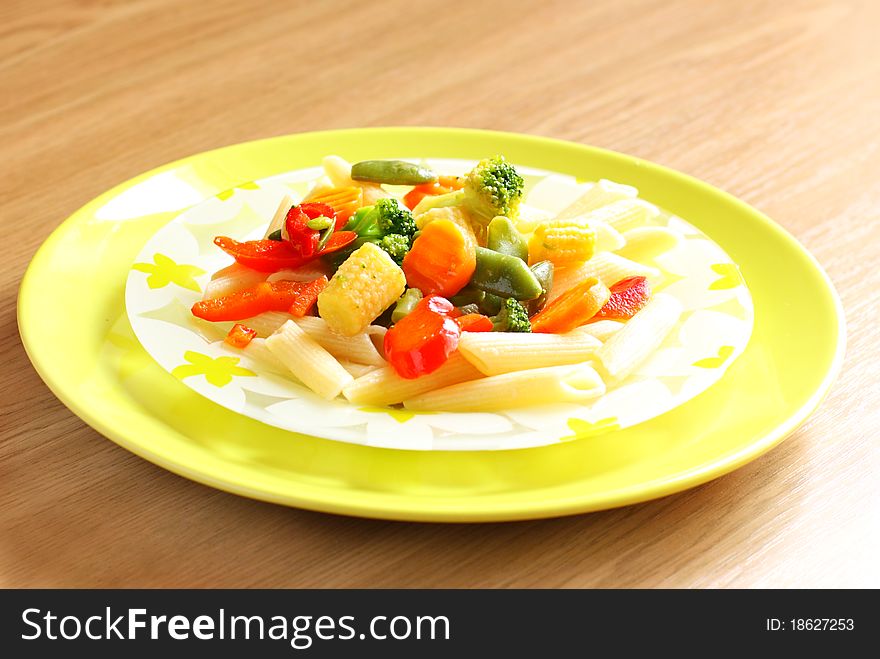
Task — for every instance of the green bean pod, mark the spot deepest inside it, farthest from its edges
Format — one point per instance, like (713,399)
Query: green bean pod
(406,304)
(392,172)
(505,276)
(504,237)
(543,271)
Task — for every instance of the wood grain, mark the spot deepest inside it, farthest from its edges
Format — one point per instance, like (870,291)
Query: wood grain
(778,103)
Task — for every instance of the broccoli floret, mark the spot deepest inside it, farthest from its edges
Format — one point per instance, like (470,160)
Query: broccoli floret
(392,218)
(386,223)
(513,317)
(490,189)
(396,244)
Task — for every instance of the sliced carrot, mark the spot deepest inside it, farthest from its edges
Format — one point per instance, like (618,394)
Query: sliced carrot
(345,201)
(442,185)
(442,259)
(307,297)
(573,308)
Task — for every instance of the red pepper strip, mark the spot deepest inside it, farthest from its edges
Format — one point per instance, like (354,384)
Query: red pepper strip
(307,297)
(265,296)
(474,322)
(240,336)
(262,255)
(275,255)
(628,296)
(421,342)
(299,236)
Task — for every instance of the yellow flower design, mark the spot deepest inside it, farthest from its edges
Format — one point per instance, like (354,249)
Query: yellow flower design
(400,415)
(226,194)
(724,353)
(218,371)
(582,428)
(164,271)
(730,277)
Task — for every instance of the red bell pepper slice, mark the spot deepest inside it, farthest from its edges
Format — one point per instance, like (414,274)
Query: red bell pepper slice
(307,297)
(265,296)
(628,296)
(474,322)
(275,255)
(422,341)
(240,336)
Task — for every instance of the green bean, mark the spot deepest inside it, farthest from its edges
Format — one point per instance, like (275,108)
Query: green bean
(504,275)
(469,308)
(504,237)
(406,304)
(319,223)
(491,304)
(468,295)
(392,172)
(543,271)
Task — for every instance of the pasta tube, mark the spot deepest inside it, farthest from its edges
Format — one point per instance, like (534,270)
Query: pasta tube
(625,214)
(280,215)
(385,387)
(260,353)
(494,353)
(358,348)
(230,279)
(599,194)
(553,384)
(644,243)
(640,336)
(601,329)
(310,363)
(267,323)
(609,268)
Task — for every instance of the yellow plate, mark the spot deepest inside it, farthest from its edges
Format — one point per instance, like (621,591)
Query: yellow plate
(73,324)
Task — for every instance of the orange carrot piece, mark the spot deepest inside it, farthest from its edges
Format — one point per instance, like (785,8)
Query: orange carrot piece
(573,308)
(345,201)
(442,259)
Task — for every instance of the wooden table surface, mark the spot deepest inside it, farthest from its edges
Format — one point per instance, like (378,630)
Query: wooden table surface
(778,103)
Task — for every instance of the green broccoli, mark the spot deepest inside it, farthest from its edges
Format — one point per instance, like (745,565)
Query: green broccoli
(387,223)
(513,317)
(492,188)
(396,244)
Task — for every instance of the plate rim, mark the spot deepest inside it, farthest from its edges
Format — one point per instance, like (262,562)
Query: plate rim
(395,507)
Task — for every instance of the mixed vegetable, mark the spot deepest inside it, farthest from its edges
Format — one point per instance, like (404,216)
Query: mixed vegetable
(446,257)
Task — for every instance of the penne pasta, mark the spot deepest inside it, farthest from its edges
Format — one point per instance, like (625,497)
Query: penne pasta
(641,335)
(358,348)
(280,215)
(309,362)
(645,243)
(598,195)
(260,353)
(357,370)
(554,384)
(494,353)
(608,267)
(307,272)
(601,329)
(625,214)
(231,279)
(385,387)
(267,323)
